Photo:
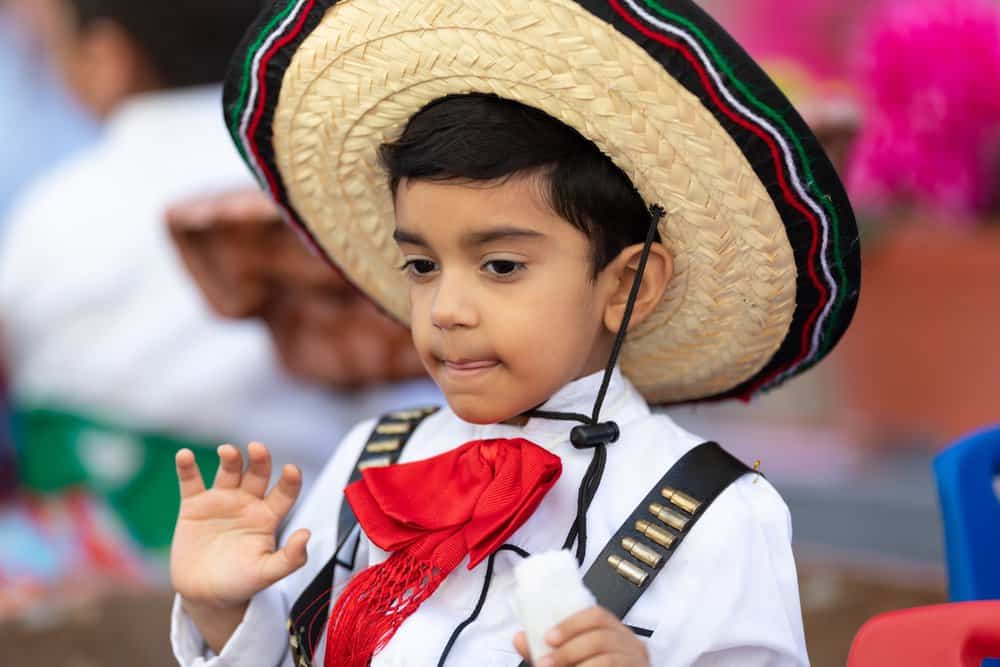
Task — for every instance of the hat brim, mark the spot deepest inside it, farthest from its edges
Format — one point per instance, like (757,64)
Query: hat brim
(762,235)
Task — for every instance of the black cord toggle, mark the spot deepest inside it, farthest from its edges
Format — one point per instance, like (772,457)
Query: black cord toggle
(588,436)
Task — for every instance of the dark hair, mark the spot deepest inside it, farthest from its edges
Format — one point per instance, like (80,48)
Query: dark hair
(482,137)
(189,42)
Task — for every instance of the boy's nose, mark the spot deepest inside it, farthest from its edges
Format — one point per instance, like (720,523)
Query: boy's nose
(452,306)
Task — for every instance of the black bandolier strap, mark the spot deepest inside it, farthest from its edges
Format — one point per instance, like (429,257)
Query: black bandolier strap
(627,565)
(309,613)
(384,446)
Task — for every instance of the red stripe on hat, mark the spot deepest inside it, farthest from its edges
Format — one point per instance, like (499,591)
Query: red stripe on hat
(789,196)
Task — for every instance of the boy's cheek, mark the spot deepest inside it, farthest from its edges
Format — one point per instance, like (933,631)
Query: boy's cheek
(420,331)
(421,302)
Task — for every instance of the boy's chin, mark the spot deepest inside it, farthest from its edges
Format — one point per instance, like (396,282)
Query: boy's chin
(475,412)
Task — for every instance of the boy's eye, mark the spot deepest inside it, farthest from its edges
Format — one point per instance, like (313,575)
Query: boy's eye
(503,267)
(419,267)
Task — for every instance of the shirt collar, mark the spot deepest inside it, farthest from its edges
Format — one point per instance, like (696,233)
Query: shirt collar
(622,404)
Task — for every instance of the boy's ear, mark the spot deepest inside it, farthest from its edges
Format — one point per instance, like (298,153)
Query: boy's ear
(655,278)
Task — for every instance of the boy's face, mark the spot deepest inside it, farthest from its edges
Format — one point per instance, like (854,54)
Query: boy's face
(504,306)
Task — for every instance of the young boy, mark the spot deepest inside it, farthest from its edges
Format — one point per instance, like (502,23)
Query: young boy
(558,174)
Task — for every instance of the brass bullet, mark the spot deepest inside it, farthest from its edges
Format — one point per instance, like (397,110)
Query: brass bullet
(681,500)
(393,429)
(628,569)
(658,535)
(675,520)
(407,415)
(383,446)
(380,462)
(643,553)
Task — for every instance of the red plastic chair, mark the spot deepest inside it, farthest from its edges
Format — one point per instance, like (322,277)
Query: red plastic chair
(960,634)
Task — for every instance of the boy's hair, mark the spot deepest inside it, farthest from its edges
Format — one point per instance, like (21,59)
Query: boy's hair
(482,137)
(189,42)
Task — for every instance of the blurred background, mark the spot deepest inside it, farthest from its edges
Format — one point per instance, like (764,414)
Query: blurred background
(151,299)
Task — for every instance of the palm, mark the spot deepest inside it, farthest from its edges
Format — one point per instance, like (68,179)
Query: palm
(224,547)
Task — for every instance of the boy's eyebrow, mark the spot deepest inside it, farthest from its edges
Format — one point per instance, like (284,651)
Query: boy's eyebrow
(403,236)
(472,239)
(499,234)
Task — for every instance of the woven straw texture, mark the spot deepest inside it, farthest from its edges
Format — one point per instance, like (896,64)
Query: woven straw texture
(368,66)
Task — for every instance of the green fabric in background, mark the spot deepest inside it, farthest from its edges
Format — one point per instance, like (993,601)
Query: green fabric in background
(133,471)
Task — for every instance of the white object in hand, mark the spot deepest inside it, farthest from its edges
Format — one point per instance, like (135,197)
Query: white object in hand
(549,590)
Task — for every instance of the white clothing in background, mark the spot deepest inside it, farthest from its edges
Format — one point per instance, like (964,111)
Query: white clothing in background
(99,315)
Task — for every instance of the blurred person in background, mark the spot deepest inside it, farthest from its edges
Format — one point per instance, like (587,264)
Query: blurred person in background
(250,265)
(41,123)
(115,361)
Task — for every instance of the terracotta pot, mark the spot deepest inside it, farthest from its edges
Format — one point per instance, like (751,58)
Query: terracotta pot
(920,365)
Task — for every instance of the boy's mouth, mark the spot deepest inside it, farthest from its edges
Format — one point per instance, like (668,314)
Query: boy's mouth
(469,364)
(468,367)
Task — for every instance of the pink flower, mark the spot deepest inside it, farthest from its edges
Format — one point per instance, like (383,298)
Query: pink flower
(930,73)
(816,35)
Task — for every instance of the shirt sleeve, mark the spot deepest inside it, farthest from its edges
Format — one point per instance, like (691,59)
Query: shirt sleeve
(248,645)
(261,639)
(731,598)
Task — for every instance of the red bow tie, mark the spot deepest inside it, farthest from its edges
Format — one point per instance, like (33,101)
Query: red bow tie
(430,514)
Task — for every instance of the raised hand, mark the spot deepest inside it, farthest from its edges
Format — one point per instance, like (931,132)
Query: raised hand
(224,547)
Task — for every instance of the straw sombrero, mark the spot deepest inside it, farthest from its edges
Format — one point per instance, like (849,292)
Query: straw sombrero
(763,238)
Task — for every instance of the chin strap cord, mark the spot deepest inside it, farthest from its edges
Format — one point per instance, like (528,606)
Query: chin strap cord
(592,433)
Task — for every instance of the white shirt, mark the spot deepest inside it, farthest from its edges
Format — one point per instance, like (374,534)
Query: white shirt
(99,315)
(729,596)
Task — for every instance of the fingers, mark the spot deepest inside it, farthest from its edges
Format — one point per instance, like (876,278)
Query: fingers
(583,647)
(593,637)
(230,471)
(606,661)
(521,645)
(286,560)
(258,472)
(590,619)
(285,492)
(254,480)
(188,474)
